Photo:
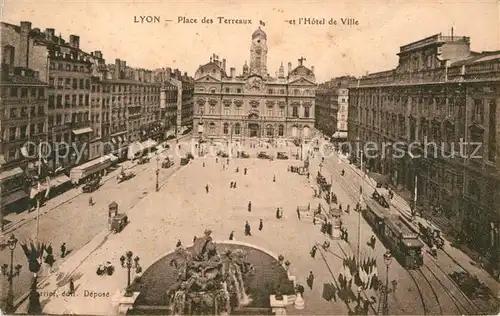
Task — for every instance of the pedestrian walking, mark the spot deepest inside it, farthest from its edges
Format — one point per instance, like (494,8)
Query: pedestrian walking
(394,283)
(314,219)
(71,286)
(340,207)
(245,171)
(237,169)
(228,161)
(216,160)
(91,202)
(298,213)
(178,244)
(274,178)
(63,250)
(372,241)
(234,185)
(203,164)
(310,280)
(261,224)
(313,251)
(206,188)
(247,229)
(250,206)
(231,235)
(231,185)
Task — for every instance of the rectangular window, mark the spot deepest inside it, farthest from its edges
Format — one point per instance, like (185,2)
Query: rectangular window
(75,83)
(238,90)
(478,114)
(82,84)
(492,131)
(270,111)
(282,111)
(59,101)
(306,112)
(51,101)
(12,133)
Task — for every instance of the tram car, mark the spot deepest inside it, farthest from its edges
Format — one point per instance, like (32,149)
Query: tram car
(430,234)
(403,243)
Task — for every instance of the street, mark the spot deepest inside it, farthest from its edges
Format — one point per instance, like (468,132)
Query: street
(75,222)
(183,209)
(429,290)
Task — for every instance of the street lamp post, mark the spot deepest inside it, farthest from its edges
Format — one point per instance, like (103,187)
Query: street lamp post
(128,263)
(157,173)
(387,261)
(13,272)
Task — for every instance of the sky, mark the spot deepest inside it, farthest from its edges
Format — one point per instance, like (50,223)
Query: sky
(334,50)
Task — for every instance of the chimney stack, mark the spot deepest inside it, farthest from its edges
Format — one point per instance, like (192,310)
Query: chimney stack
(233,72)
(224,64)
(118,68)
(74,41)
(168,73)
(49,34)
(289,68)
(24,43)
(98,54)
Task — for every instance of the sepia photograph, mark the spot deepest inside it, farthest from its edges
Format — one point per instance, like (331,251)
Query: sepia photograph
(221,157)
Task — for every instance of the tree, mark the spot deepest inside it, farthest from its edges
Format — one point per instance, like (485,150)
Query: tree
(34,255)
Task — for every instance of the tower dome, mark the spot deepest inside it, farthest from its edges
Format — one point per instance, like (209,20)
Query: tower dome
(259,33)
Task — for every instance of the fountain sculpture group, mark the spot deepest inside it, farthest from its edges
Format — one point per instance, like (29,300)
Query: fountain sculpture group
(208,282)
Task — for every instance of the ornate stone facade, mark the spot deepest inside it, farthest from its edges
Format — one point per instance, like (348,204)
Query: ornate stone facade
(444,93)
(254,105)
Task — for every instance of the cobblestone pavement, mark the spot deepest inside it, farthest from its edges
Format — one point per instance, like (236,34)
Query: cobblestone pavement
(437,293)
(68,218)
(182,209)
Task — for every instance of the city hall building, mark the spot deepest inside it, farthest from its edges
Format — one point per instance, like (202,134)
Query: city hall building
(254,104)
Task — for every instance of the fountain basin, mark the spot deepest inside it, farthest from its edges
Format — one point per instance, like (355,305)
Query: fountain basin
(269,276)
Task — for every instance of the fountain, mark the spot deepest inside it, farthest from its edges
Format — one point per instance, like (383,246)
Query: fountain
(208,283)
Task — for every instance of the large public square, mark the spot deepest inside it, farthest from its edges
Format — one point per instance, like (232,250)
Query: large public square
(182,209)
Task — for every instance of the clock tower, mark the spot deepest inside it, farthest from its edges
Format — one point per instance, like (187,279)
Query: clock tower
(258,53)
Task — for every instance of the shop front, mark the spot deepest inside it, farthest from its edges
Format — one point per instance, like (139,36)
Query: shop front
(14,195)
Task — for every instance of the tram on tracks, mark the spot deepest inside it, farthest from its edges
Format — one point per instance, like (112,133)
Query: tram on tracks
(403,243)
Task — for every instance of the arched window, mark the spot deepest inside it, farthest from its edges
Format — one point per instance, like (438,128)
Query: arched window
(294,131)
(237,129)
(211,128)
(225,129)
(295,111)
(306,131)
(281,130)
(212,90)
(269,131)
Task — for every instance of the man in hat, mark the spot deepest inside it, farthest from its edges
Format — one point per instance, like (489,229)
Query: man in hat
(310,280)
(206,188)
(250,206)
(261,224)
(245,171)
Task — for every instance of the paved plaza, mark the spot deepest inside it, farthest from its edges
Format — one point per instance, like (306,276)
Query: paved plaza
(183,209)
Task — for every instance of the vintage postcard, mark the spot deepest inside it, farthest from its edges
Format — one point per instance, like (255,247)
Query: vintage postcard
(250,157)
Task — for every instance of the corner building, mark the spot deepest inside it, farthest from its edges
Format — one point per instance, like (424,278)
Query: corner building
(443,92)
(254,105)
